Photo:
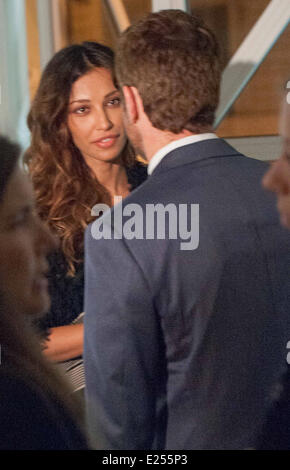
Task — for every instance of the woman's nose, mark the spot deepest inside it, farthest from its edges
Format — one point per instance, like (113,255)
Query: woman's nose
(274,180)
(102,121)
(271,178)
(46,241)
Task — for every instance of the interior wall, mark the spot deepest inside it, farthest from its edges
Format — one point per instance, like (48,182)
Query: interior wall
(256,110)
(32,45)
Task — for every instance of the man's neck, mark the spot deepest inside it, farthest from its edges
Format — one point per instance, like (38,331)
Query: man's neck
(159,139)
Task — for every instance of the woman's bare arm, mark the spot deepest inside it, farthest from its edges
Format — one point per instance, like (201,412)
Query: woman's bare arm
(64,342)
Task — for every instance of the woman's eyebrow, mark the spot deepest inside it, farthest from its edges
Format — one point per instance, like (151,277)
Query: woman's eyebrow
(86,100)
(22,209)
(80,100)
(111,93)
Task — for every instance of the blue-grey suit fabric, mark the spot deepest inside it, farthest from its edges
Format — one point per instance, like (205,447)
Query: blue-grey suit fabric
(184,348)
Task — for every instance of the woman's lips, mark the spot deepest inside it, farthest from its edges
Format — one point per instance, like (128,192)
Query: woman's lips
(106,142)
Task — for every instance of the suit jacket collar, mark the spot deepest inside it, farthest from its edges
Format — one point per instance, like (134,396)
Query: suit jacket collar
(195,152)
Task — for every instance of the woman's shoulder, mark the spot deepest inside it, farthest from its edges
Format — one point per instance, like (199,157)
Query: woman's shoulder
(21,411)
(30,420)
(13,383)
(137,174)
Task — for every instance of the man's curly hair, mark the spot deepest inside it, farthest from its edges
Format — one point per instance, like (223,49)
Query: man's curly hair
(173,60)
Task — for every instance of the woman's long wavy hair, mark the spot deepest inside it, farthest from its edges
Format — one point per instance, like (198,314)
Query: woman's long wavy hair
(66,188)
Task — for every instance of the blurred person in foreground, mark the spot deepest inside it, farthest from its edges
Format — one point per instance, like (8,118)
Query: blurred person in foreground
(277,179)
(185,330)
(276,431)
(37,411)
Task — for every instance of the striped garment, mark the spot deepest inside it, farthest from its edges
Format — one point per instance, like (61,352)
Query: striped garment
(73,369)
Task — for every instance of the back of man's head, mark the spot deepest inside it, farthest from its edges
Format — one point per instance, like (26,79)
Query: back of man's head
(173,60)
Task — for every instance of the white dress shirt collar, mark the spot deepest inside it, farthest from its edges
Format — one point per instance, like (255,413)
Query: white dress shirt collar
(156,159)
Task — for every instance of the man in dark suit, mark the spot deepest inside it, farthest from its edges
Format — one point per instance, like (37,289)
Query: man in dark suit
(186,300)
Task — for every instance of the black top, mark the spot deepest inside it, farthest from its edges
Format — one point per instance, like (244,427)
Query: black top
(67,293)
(275,434)
(30,419)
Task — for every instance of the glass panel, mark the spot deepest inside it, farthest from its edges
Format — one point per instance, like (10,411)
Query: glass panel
(256,111)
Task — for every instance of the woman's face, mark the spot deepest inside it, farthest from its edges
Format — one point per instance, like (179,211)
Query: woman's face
(277,179)
(24,244)
(95,117)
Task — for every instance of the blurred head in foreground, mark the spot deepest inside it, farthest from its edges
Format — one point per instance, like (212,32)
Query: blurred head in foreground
(277,179)
(24,245)
(24,241)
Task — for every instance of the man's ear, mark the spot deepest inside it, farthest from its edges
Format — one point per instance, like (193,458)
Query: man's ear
(132,103)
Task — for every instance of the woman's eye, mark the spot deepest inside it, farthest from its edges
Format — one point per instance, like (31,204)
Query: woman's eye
(23,218)
(114,102)
(20,220)
(81,110)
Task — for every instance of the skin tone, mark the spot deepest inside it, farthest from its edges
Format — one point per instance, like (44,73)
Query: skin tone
(96,126)
(277,179)
(24,245)
(145,138)
(65,342)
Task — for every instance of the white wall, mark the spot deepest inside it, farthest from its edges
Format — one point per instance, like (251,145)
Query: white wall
(14,83)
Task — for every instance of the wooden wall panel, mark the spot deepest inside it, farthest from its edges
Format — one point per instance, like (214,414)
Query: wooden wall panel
(89,21)
(257,109)
(265,86)
(32,45)
(254,113)
(137,9)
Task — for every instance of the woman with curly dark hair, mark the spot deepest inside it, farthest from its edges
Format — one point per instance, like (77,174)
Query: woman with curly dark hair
(79,156)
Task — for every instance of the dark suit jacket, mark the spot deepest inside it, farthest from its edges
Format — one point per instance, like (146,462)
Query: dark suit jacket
(183,348)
